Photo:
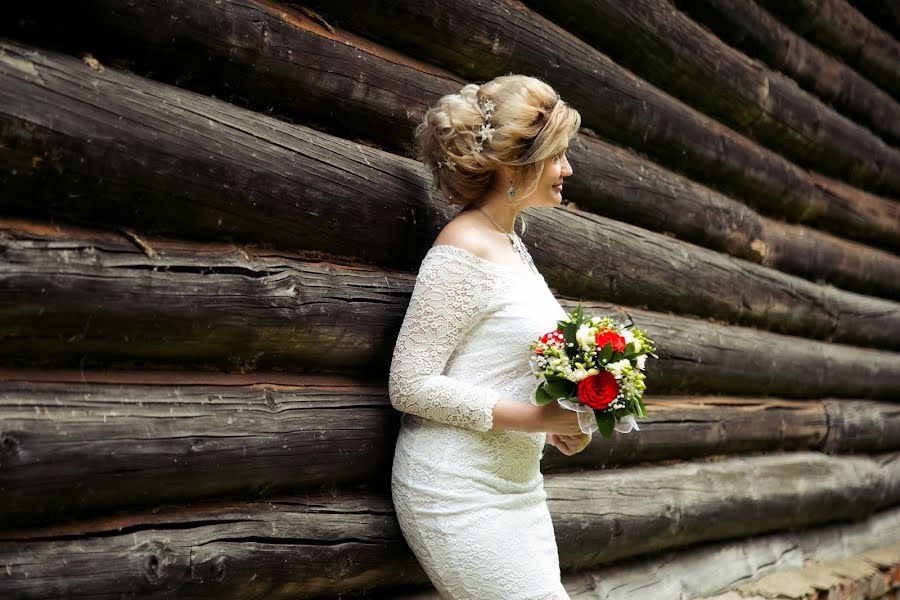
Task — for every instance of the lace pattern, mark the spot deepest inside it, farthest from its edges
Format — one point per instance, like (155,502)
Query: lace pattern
(471,501)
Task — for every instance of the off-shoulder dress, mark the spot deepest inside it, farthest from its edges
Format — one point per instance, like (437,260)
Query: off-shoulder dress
(471,501)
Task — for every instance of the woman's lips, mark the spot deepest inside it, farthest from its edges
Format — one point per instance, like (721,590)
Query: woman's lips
(558,187)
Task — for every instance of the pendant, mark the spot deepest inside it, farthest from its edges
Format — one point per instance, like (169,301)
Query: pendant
(522,251)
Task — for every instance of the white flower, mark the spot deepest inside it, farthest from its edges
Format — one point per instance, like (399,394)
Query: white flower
(584,338)
(579,374)
(617,367)
(641,361)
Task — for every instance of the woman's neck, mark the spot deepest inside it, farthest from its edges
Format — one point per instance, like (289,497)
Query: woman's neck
(497,208)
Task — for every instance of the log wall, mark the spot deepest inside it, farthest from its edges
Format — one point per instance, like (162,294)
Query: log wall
(210,222)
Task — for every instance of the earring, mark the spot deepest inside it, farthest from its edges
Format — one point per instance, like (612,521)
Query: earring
(511,192)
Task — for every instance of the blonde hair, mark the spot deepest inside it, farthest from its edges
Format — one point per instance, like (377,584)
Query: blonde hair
(529,122)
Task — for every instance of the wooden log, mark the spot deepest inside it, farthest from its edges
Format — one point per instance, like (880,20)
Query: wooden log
(610,181)
(617,183)
(77,444)
(73,442)
(314,546)
(838,27)
(713,567)
(747,26)
(466,38)
(355,202)
(272,70)
(664,46)
(643,511)
(73,446)
(886,15)
(76,298)
(319,546)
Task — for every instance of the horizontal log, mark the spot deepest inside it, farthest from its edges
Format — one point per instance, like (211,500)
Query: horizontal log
(885,14)
(713,567)
(82,298)
(838,27)
(465,37)
(84,443)
(747,26)
(664,46)
(263,58)
(617,183)
(315,546)
(356,202)
(611,181)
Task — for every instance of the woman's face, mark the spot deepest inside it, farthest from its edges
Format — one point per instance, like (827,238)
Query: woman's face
(548,191)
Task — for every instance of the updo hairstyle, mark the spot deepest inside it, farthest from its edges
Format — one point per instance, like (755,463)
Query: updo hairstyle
(528,124)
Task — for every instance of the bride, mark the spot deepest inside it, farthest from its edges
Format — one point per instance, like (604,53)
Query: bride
(466,481)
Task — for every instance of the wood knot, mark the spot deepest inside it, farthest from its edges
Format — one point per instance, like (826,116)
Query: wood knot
(270,400)
(9,448)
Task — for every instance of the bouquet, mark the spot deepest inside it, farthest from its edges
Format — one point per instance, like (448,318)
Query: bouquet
(595,367)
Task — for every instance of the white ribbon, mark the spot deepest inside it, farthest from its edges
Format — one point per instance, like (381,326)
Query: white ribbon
(587,420)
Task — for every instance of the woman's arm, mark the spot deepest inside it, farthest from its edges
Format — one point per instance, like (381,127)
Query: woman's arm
(448,298)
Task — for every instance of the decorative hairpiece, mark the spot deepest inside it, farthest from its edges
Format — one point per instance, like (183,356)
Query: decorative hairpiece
(447,163)
(486,132)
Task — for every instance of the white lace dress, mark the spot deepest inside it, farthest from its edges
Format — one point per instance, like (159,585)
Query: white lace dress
(471,501)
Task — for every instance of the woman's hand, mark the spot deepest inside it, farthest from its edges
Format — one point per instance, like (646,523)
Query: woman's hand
(559,420)
(569,444)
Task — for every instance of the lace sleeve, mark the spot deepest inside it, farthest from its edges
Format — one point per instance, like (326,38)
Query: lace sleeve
(448,298)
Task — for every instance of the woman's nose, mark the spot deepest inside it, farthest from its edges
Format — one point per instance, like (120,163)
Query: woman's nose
(566,167)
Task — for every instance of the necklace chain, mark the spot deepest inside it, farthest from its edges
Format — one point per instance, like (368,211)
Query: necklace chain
(516,242)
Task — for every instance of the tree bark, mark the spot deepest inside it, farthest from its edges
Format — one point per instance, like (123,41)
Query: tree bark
(747,26)
(277,59)
(74,445)
(352,202)
(76,298)
(673,52)
(313,546)
(836,26)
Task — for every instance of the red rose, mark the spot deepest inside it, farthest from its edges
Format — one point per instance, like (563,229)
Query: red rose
(552,338)
(606,336)
(598,391)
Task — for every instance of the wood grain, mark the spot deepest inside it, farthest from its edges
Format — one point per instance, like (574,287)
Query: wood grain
(664,46)
(316,546)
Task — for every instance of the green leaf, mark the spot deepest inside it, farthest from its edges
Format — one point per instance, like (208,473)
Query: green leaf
(541,397)
(607,422)
(643,409)
(605,353)
(560,388)
(629,349)
(569,336)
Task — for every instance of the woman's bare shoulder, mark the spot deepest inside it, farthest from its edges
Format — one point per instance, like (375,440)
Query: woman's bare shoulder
(466,233)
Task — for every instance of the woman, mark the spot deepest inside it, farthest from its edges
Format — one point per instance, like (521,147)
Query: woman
(466,481)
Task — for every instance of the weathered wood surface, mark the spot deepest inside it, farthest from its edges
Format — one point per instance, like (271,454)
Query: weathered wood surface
(610,180)
(275,58)
(295,547)
(74,444)
(312,546)
(664,46)
(82,298)
(749,27)
(838,27)
(871,575)
(468,38)
(884,13)
(780,115)
(617,183)
(713,567)
(350,201)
